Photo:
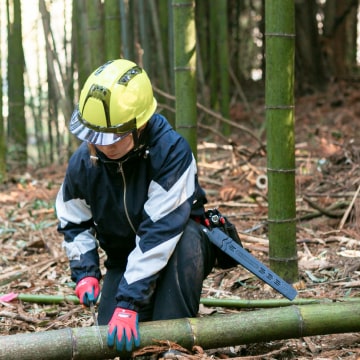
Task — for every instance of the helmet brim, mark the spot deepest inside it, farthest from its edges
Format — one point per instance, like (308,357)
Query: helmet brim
(83,133)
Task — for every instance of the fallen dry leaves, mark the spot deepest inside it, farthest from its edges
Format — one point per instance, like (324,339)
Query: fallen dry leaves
(234,175)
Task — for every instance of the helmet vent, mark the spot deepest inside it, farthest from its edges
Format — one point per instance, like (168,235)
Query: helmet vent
(99,92)
(124,80)
(102,67)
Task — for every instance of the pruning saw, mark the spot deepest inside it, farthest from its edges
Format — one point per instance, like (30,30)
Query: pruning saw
(217,228)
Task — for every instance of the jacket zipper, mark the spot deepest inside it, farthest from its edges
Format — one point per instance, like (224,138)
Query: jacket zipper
(124,198)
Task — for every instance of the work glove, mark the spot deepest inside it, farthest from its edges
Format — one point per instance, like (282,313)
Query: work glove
(123,332)
(88,290)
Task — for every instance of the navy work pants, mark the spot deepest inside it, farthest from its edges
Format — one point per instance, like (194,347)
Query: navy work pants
(178,289)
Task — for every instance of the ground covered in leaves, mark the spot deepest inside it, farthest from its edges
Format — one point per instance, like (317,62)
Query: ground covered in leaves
(234,175)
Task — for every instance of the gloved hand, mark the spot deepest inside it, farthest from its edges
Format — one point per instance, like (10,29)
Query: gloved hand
(123,332)
(87,290)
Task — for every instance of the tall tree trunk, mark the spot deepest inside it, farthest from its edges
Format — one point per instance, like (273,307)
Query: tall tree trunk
(161,70)
(57,86)
(37,111)
(68,138)
(212,58)
(279,97)
(81,48)
(337,32)
(16,121)
(202,44)
(310,69)
(145,38)
(2,127)
(51,109)
(223,61)
(162,67)
(185,70)
(163,24)
(112,36)
(35,108)
(127,51)
(96,33)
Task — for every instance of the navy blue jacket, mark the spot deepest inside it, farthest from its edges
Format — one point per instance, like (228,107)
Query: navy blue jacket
(135,208)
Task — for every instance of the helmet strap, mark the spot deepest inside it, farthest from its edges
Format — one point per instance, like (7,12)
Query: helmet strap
(135,136)
(93,155)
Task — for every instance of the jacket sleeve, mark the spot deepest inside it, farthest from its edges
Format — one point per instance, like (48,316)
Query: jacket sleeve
(166,213)
(76,224)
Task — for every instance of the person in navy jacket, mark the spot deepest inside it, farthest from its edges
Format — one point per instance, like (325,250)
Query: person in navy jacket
(132,189)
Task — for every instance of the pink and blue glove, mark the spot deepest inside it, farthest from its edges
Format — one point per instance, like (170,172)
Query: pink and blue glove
(88,290)
(123,332)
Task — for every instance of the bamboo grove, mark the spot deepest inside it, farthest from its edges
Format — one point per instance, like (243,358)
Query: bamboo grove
(198,57)
(51,46)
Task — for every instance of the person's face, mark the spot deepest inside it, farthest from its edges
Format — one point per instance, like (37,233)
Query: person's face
(118,149)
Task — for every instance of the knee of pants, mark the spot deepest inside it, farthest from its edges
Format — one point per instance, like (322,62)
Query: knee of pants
(178,289)
(194,250)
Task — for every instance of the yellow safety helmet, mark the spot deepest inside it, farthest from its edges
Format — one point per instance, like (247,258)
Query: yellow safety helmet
(117,99)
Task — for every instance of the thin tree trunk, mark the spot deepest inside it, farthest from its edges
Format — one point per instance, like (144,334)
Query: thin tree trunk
(202,47)
(17,139)
(82,41)
(337,18)
(223,62)
(144,26)
(124,22)
(161,70)
(279,92)
(51,107)
(112,37)
(164,26)
(96,33)
(209,332)
(57,86)
(2,128)
(212,59)
(42,149)
(185,70)
(67,140)
(37,116)
(310,68)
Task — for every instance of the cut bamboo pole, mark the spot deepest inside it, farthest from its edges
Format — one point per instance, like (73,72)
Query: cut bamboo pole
(268,303)
(44,298)
(215,302)
(209,332)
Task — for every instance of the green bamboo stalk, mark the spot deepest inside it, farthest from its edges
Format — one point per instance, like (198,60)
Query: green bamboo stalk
(185,70)
(112,36)
(16,123)
(280,114)
(125,32)
(81,41)
(3,167)
(144,34)
(208,332)
(223,61)
(96,33)
(269,303)
(47,299)
(229,302)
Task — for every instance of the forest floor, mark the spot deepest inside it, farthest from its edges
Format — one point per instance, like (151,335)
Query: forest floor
(233,173)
